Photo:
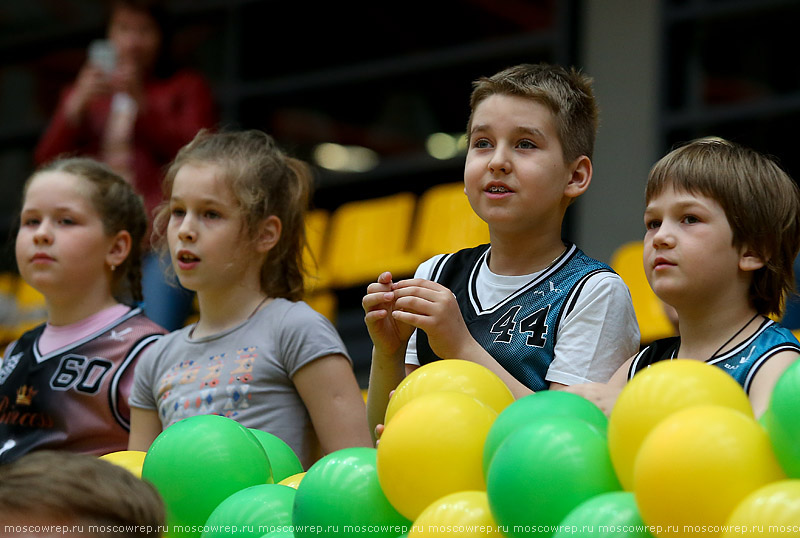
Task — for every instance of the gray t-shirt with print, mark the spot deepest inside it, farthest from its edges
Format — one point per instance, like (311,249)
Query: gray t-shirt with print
(244,373)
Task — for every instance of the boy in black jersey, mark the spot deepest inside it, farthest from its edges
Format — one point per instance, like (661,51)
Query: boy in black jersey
(723,228)
(532,308)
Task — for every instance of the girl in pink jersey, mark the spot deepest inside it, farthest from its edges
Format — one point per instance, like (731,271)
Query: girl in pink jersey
(65,383)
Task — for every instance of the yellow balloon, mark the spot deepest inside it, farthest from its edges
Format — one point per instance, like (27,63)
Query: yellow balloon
(132,460)
(773,510)
(433,447)
(451,376)
(657,392)
(696,466)
(465,514)
(292,481)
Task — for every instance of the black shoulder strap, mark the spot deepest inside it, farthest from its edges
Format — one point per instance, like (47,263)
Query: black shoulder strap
(659,350)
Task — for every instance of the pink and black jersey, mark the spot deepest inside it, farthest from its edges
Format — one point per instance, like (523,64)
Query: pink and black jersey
(74,398)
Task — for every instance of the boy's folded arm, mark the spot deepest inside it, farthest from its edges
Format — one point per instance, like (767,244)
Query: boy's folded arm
(477,354)
(603,395)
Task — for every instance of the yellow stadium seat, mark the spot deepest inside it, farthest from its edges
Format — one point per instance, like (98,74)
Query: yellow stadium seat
(324,302)
(445,222)
(316,229)
(653,321)
(194,313)
(28,297)
(8,307)
(368,237)
(23,307)
(8,283)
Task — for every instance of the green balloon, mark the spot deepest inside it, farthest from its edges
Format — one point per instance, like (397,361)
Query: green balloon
(283,461)
(608,515)
(764,419)
(197,463)
(782,420)
(251,512)
(545,469)
(340,494)
(533,406)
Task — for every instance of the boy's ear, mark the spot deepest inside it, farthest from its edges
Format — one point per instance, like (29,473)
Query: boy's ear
(120,248)
(750,260)
(268,234)
(581,170)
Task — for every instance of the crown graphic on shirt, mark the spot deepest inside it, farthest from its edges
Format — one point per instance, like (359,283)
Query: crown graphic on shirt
(25,395)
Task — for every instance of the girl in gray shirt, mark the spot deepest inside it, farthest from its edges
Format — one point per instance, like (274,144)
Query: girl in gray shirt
(234,226)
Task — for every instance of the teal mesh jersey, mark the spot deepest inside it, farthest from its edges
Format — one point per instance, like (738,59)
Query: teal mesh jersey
(519,332)
(742,362)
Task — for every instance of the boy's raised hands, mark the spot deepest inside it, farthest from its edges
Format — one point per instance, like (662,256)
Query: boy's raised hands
(433,308)
(388,334)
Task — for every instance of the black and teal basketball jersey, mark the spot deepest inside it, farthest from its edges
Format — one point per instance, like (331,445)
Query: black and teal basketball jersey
(742,362)
(519,332)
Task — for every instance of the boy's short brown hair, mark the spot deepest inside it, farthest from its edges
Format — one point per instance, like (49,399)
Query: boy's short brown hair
(760,200)
(83,493)
(567,93)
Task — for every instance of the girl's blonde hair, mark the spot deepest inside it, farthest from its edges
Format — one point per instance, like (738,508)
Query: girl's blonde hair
(265,182)
(120,208)
(761,202)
